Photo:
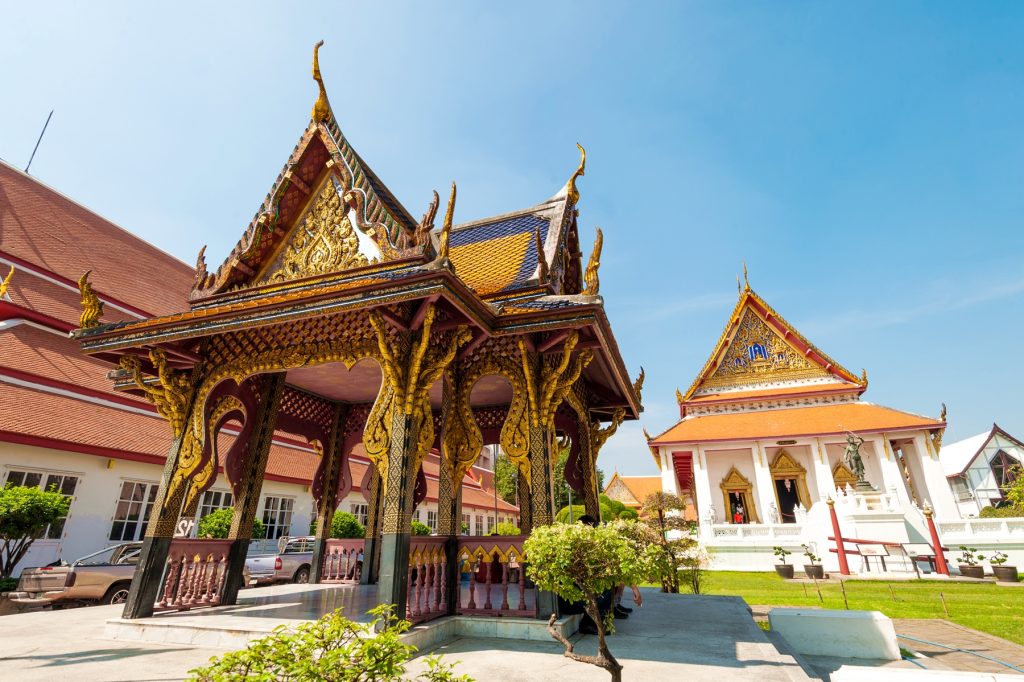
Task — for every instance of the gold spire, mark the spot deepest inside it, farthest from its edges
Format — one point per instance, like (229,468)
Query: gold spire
(591,283)
(6,283)
(746,282)
(92,306)
(574,195)
(322,109)
(446,228)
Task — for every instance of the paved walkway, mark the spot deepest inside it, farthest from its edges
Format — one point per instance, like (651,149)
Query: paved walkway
(953,635)
(673,637)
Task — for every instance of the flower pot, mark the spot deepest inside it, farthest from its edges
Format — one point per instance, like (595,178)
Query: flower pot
(814,571)
(784,570)
(972,571)
(1006,574)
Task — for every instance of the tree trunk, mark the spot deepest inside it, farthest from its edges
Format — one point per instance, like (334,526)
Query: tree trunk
(604,658)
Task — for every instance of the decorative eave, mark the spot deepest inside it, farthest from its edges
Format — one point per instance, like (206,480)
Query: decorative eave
(788,332)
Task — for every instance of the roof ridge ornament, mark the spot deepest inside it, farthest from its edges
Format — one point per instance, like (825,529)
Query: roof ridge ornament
(322,108)
(591,283)
(446,230)
(574,195)
(6,283)
(92,306)
(746,281)
(542,260)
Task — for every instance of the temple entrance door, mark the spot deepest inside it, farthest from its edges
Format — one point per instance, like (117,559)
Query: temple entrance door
(785,492)
(738,496)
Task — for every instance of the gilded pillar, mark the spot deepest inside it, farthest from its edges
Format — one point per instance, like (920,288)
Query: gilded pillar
(449,510)
(396,520)
(523,502)
(371,550)
(251,483)
(541,511)
(156,546)
(328,502)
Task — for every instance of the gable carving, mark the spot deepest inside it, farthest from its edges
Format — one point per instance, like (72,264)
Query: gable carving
(758,354)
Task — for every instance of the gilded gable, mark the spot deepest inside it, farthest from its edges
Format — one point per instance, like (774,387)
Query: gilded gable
(759,355)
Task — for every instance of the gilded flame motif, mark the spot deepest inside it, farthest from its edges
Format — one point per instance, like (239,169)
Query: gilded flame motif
(638,385)
(170,395)
(574,194)
(324,242)
(556,380)
(92,306)
(322,108)
(758,354)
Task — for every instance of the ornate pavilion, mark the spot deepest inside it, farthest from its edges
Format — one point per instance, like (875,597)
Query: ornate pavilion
(761,441)
(340,319)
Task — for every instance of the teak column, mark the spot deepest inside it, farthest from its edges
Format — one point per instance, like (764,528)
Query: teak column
(328,501)
(251,483)
(156,546)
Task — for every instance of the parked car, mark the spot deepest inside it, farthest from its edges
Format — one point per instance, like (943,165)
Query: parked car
(291,564)
(101,577)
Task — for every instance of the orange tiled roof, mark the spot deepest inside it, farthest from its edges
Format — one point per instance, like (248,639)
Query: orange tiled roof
(639,486)
(790,423)
(45,228)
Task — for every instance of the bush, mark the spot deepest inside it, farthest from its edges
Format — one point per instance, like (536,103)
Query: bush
(346,525)
(331,649)
(506,528)
(24,515)
(629,515)
(420,528)
(1000,513)
(663,514)
(218,524)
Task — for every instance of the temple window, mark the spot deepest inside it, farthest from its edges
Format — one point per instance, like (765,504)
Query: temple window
(1005,469)
(61,483)
(432,520)
(213,500)
(277,516)
(360,511)
(478,527)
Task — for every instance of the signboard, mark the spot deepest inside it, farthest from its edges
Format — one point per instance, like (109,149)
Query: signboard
(872,550)
(185,526)
(915,549)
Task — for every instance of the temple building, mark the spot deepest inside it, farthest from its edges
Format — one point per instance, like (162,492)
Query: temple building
(762,443)
(344,322)
(981,467)
(63,424)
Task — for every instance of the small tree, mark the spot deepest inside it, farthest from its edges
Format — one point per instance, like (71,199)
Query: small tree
(217,524)
(25,514)
(1015,491)
(579,562)
(505,478)
(346,525)
(663,512)
(506,528)
(420,528)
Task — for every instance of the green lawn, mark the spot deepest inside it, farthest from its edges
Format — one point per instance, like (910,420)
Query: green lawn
(992,609)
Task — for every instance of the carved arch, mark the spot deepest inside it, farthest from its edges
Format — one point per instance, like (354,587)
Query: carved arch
(842,476)
(735,482)
(785,466)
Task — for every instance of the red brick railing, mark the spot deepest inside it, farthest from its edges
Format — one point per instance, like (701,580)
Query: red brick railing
(343,560)
(496,566)
(195,574)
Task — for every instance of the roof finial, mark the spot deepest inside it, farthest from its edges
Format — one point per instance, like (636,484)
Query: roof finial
(574,195)
(591,283)
(746,281)
(446,228)
(739,289)
(942,414)
(542,261)
(6,283)
(864,376)
(92,306)
(679,396)
(321,110)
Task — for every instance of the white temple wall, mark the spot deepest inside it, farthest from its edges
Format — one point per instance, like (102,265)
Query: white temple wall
(718,464)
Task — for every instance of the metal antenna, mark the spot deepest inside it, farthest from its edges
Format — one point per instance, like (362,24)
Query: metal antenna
(38,141)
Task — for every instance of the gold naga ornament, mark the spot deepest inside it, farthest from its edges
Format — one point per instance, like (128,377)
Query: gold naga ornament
(556,380)
(322,108)
(574,194)
(638,385)
(172,392)
(591,283)
(92,306)
(6,283)
(599,435)
(446,230)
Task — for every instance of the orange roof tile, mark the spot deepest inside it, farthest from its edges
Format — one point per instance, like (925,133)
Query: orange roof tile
(640,487)
(795,422)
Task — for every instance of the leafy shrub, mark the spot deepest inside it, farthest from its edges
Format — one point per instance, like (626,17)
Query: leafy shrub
(8,584)
(629,515)
(331,649)
(218,524)
(1001,513)
(346,525)
(663,514)
(24,515)
(420,528)
(506,528)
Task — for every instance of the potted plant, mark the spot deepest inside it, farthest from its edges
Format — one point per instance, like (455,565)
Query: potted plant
(969,559)
(814,569)
(1006,574)
(782,568)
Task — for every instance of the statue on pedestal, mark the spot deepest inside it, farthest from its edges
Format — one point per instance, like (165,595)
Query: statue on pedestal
(855,462)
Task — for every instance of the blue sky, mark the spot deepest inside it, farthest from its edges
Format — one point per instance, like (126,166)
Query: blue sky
(866,159)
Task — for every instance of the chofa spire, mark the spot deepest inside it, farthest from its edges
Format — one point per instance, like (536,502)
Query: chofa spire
(322,108)
(574,195)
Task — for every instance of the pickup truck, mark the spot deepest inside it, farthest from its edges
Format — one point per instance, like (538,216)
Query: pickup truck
(291,564)
(101,577)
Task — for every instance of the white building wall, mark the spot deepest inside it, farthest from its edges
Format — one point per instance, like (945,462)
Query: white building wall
(980,478)
(99,486)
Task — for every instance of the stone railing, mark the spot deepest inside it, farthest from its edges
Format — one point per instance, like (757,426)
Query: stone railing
(195,575)
(983,527)
(756,532)
(496,566)
(342,561)
(428,587)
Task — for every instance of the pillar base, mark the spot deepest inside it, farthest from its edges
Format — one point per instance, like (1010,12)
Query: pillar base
(148,578)
(235,568)
(393,584)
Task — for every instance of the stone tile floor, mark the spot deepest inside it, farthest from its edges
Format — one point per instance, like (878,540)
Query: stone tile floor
(953,635)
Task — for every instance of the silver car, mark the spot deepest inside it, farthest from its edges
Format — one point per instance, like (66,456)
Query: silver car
(292,564)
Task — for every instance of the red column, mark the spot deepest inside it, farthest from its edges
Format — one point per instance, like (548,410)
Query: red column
(844,567)
(940,558)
